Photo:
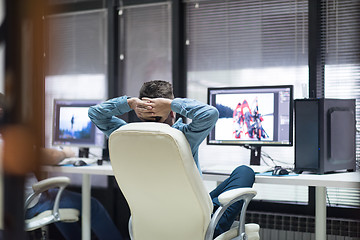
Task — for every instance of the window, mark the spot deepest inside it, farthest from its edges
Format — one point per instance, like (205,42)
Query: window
(247,43)
(341,34)
(76,65)
(77,58)
(145,44)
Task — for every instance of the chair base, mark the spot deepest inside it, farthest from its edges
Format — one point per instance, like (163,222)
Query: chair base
(39,234)
(47,217)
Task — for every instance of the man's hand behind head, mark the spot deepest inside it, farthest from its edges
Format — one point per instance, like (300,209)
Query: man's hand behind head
(151,109)
(158,107)
(141,108)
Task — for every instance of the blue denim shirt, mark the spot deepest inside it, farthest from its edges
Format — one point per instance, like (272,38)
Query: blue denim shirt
(203,118)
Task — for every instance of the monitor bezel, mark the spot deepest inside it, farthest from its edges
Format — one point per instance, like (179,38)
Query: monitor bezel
(56,141)
(254,143)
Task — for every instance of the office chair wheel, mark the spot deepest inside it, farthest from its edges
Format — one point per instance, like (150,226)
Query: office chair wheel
(39,234)
(244,236)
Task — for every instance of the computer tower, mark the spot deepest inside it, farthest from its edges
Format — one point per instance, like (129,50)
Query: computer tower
(325,132)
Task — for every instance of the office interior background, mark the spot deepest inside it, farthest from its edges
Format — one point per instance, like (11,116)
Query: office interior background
(99,49)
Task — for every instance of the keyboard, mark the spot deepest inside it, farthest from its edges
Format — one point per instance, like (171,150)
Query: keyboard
(72,160)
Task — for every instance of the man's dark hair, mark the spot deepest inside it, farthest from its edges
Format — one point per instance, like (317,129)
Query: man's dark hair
(156,89)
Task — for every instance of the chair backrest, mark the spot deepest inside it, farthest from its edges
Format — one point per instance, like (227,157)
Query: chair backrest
(155,170)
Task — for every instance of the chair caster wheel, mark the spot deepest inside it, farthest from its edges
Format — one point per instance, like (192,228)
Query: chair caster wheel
(244,236)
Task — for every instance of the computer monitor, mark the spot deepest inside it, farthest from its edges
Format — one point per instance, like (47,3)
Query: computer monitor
(252,117)
(72,125)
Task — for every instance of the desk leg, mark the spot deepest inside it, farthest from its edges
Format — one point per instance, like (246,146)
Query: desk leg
(86,208)
(320,213)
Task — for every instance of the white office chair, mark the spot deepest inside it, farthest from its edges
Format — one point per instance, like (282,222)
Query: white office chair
(154,168)
(56,214)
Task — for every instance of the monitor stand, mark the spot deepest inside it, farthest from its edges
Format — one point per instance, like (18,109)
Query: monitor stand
(84,152)
(255,155)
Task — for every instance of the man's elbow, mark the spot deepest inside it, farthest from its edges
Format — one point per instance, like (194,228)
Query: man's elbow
(213,115)
(91,113)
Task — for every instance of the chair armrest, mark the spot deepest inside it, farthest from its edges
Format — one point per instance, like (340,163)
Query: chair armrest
(226,199)
(46,184)
(234,194)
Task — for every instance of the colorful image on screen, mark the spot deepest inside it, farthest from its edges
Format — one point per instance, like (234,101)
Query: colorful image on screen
(245,116)
(256,115)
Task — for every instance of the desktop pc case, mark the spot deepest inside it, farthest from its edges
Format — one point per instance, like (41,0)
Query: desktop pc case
(325,132)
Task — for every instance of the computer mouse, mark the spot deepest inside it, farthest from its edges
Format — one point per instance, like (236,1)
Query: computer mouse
(280,171)
(79,163)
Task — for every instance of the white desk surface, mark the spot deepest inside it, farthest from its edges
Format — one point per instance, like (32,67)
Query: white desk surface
(104,169)
(341,180)
(320,182)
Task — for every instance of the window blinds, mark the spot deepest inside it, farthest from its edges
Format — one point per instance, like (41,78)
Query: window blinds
(235,43)
(145,41)
(246,43)
(78,43)
(227,35)
(341,36)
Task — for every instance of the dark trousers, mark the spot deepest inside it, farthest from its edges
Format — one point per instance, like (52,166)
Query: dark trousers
(242,176)
(101,223)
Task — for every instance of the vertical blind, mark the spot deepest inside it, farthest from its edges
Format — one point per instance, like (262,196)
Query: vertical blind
(146,44)
(247,43)
(77,65)
(341,36)
(237,43)
(76,59)
(246,34)
(229,41)
(77,43)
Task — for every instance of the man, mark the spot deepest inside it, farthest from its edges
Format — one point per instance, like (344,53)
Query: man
(101,223)
(156,102)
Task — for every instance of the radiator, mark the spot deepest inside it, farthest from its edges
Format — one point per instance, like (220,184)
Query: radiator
(294,227)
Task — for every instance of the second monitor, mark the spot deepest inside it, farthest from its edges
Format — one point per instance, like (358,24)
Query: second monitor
(73,127)
(253,117)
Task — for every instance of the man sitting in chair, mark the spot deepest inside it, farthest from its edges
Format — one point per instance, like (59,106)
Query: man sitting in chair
(156,103)
(101,222)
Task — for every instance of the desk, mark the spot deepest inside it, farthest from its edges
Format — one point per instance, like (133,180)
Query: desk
(86,171)
(320,182)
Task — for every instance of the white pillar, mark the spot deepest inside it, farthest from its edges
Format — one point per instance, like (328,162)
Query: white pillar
(320,213)
(86,208)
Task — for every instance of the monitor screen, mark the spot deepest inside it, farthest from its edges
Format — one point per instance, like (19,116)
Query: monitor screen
(253,116)
(72,126)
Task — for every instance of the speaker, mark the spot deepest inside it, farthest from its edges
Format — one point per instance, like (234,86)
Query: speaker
(325,132)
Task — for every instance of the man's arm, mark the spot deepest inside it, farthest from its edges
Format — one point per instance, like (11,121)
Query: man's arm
(104,114)
(51,156)
(203,118)
(202,115)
